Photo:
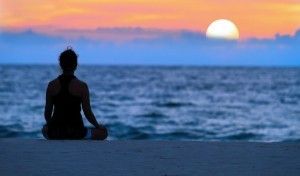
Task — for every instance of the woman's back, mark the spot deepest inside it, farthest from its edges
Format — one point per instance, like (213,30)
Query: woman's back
(66,121)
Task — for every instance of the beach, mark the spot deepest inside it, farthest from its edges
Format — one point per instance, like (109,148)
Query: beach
(141,157)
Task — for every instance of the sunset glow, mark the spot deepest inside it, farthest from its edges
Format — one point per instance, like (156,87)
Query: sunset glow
(259,18)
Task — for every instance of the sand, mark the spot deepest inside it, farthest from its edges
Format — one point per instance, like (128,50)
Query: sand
(35,157)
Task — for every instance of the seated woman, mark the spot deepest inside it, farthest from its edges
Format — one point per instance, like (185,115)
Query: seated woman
(67,94)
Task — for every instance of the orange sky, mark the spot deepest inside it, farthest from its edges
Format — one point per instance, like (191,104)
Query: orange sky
(254,18)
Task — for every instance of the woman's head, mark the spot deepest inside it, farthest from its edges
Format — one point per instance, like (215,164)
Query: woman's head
(68,60)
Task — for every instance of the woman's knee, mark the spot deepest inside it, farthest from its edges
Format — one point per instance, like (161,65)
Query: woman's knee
(100,133)
(105,133)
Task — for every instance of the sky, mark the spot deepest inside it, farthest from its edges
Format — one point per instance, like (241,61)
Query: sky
(169,32)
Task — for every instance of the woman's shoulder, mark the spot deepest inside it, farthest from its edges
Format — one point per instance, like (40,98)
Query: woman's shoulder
(79,86)
(53,83)
(56,82)
(79,82)
(53,86)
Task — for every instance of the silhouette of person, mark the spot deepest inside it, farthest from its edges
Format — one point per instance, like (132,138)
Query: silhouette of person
(67,94)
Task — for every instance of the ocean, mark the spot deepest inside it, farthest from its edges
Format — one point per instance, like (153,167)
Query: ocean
(164,102)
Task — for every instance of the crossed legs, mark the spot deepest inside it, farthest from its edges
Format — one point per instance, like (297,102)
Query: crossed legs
(96,133)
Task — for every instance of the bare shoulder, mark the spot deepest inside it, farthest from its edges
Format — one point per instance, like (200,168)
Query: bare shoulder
(53,86)
(53,82)
(80,86)
(80,83)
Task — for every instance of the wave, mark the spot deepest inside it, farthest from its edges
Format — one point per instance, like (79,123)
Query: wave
(173,104)
(6,131)
(152,114)
(242,136)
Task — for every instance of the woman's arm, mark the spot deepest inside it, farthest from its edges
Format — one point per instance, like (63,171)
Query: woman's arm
(87,107)
(49,104)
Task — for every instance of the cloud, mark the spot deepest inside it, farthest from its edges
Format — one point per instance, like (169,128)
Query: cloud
(115,34)
(147,46)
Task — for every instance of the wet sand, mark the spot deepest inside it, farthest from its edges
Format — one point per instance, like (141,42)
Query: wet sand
(146,158)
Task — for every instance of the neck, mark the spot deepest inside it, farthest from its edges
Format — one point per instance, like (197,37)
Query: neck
(68,72)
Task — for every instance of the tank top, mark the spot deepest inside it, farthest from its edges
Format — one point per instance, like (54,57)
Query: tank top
(66,121)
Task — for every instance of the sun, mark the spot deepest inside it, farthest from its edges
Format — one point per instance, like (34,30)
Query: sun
(222,29)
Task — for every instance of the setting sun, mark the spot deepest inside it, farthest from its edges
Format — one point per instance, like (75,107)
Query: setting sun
(222,29)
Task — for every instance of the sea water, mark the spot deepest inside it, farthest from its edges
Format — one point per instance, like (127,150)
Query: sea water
(164,103)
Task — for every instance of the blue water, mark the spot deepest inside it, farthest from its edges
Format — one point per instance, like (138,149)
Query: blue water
(164,103)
